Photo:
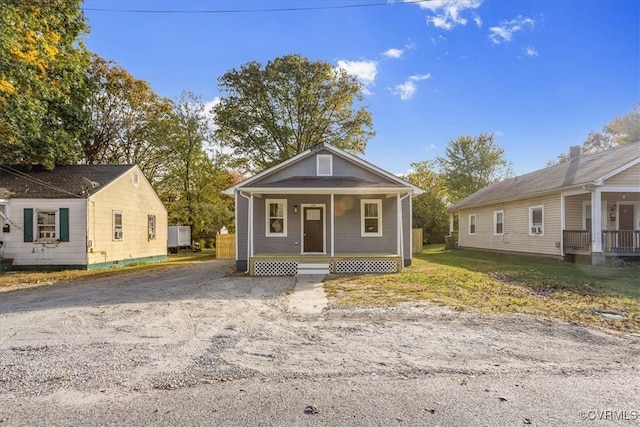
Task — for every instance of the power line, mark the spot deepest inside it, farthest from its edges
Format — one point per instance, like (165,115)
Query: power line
(280,9)
(35,180)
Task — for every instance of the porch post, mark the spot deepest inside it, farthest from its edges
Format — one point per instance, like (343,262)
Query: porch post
(250,248)
(332,226)
(596,215)
(399,226)
(562,221)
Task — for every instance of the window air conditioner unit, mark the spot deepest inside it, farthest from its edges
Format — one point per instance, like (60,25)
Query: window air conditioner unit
(117,234)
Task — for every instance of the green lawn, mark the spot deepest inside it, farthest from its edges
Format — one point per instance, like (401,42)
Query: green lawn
(503,284)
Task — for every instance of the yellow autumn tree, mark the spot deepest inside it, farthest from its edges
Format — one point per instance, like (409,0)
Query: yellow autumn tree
(42,72)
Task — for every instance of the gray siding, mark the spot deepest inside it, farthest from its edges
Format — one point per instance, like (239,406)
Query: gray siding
(307,167)
(291,244)
(347,226)
(242,232)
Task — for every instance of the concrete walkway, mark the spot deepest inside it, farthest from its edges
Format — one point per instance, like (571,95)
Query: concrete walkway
(308,297)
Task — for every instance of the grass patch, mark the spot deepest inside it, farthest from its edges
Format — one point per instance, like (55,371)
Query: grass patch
(24,279)
(503,284)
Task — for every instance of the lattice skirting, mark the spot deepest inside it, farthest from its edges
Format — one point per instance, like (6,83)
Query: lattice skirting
(366,266)
(275,268)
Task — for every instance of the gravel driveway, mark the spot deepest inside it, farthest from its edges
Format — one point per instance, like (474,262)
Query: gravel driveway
(198,346)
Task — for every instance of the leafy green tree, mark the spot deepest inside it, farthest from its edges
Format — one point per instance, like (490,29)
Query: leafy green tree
(472,163)
(42,73)
(619,131)
(271,113)
(129,123)
(192,179)
(429,208)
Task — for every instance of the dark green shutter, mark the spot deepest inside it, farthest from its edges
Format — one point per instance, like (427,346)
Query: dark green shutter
(64,224)
(28,225)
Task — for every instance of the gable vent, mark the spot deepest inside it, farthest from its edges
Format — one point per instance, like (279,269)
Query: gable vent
(324,164)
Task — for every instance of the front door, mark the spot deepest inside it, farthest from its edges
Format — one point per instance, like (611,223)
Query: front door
(626,221)
(313,229)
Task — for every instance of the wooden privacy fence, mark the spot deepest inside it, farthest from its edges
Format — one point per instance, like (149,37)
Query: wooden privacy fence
(225,246)
(417,235)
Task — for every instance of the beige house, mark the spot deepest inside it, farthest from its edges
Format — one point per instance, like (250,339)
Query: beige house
(588,207)
(80,216)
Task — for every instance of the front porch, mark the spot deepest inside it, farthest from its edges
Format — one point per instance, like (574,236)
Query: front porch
(294,264)
(600,222)
(613,242)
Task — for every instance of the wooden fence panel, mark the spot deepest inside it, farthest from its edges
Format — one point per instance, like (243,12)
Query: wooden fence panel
(225,246)
(417,235)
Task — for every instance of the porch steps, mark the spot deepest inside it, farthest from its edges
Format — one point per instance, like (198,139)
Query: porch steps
(314,268)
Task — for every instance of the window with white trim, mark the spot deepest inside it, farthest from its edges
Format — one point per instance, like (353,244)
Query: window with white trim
(276,215)
(472,224)
(587,217)
(118,226)
(536,220)
(371,217)
(324,165)
(46,228)
(498,222)
(151,227)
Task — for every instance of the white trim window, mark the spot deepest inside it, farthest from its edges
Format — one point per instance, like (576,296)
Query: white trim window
(498,223)
(324,165)
(587,220)
(276,217)
(536,220)
(472,224)
(371,217)
(118,226)
(151,227)
(46,225)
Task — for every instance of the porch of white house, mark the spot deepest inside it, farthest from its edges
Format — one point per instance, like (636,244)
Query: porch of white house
(601,223)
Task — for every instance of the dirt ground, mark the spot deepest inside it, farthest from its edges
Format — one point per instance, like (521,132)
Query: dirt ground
(199,346)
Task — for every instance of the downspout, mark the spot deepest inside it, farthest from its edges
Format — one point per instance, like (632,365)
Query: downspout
(248,227)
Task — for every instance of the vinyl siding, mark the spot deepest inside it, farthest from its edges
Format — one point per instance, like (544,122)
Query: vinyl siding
(347,225)
(573,207)
(307,167)
(516,236)
(242,231)
(136,202)
(628,178)
(24,253)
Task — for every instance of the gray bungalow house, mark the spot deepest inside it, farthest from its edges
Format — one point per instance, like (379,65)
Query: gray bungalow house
(323,211)
(587,208)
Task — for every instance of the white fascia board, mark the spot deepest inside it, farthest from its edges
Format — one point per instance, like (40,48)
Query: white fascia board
(230,191)
(601,180)
(416,190)
(327,190)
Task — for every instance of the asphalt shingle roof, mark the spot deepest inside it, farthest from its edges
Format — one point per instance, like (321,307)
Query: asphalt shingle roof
(62,182)
(582,170)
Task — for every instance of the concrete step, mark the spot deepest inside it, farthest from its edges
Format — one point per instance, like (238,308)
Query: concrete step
(314,268)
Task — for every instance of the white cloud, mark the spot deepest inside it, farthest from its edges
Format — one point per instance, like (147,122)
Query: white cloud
(448,13)
(530,51)
(407,89)
(478,21)
(393,53)
(365,71)
(505,31)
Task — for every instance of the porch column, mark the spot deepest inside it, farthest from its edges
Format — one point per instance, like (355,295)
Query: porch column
(333,234)
(250,227)
(596,219)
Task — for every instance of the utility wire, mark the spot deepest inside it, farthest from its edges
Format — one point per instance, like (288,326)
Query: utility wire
(280,9)
(28,177)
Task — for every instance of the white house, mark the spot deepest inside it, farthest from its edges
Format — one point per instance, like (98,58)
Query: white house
(80,216)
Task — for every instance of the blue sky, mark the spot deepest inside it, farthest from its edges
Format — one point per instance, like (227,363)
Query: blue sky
(539,74)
